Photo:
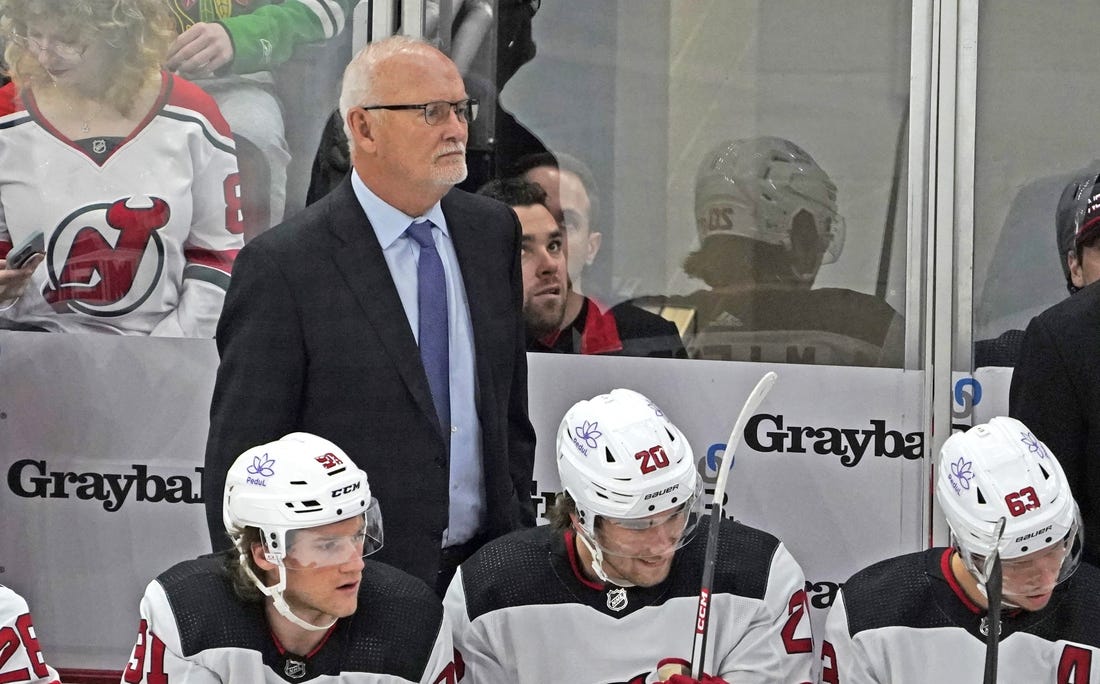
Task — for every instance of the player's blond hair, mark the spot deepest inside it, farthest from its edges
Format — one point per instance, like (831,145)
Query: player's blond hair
(138,33)
(243,586)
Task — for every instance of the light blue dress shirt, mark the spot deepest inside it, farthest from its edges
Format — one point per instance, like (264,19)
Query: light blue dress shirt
(467,478)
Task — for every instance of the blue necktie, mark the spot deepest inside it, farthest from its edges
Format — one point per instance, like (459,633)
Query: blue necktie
(431,298)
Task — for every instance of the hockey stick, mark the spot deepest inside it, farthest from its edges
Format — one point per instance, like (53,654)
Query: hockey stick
(702,613)
(993,586)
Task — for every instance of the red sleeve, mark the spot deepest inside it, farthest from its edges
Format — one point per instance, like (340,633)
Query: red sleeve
(186,94)
(9,100)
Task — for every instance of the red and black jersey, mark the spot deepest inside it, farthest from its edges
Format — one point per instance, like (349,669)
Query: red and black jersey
(140,232)
(907,620)
(21,660)
(522,611)
(195,629)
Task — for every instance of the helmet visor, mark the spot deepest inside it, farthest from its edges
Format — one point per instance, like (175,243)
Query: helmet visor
(653,535)
(1037,573)
(323,547)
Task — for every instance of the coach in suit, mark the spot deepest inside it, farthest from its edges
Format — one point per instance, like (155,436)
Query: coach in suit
(335,321)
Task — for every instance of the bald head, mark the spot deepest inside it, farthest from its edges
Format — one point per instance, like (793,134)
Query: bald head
(362,75)
(405,160)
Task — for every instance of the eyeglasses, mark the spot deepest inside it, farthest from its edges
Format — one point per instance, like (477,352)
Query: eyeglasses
(69,52)
(436,113)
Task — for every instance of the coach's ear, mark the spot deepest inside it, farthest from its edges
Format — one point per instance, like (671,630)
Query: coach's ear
(361,125)
(1076,272)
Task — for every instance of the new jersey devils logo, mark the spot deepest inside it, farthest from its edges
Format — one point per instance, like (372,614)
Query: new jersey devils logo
(106,259)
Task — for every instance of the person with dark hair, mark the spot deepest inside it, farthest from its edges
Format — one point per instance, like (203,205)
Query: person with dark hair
(612,581)
(1078,239)
(124,174)
(387,317)
(573,197)
(558,318)
(1078,254)
(1055,386)
(294,599)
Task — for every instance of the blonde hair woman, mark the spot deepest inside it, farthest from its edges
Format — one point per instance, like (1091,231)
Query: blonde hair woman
(127,170)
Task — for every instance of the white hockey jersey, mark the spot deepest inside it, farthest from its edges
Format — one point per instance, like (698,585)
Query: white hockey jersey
(21,660)
(521,611)
(906,620)
(194,629)
(140,233)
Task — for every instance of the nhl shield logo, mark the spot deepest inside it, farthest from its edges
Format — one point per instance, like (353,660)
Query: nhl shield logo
(99,146)
(984,626)
(616,599)
(295,669)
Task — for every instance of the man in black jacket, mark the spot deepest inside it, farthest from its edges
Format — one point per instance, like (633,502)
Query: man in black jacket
(1056,385)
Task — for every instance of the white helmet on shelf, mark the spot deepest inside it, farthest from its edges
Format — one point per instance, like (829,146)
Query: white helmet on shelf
(1001,470)
(620,457)
(295,483)
(763,189)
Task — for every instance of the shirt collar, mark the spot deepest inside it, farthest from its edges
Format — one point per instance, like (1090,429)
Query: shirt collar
(390,223)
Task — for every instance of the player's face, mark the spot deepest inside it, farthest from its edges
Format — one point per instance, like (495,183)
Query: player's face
(324,566)
(569,203)
(544,271)
(410,150)
(1029,580)
(641,551)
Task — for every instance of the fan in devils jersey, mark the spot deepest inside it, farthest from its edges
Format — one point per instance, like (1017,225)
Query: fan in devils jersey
(608,592)
(923,617)
(21,660)
(294,600)
(128,172)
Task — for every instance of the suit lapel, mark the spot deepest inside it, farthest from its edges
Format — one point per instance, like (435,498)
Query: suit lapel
(464,234)
(360,261)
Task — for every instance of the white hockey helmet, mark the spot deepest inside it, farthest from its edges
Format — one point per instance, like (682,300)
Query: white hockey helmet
(293,484)
(1001,470)
(620,457)
(763,189)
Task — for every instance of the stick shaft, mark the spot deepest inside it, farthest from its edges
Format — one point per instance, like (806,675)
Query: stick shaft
(702,613)
(993,585)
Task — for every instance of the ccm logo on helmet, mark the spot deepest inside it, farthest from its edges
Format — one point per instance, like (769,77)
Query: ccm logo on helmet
(345,490)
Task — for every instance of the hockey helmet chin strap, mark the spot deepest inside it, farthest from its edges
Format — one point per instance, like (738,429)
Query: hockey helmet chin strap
(597,561)
(983,573)
(276,594)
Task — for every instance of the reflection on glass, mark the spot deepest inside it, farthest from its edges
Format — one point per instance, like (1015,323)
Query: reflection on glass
(733,71)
